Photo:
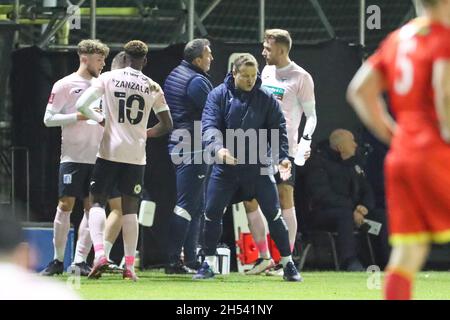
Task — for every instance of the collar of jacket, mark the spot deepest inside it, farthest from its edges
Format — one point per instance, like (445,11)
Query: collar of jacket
(195,68)
(229,82)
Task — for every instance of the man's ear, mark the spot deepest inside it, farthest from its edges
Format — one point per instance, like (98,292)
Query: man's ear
(83,58)
(145,61)
(196,61)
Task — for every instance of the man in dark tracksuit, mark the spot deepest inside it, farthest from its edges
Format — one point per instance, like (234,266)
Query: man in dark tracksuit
(186,89)
(239,104)
(341,196)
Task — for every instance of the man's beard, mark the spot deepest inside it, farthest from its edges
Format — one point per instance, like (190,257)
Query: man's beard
(93,73)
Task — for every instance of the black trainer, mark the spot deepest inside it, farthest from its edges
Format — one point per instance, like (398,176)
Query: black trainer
(178,268)
(54,267)
(291,273)
(205,272)
(84,268)
(354,266)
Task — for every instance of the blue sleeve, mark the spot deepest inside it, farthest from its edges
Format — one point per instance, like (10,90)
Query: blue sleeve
(212,121)
(198,90)
(276,120)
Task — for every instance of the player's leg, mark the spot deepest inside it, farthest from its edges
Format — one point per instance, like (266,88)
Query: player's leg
(408,228)
(104,177)
(405,261)
(61,226)
(267,196)
(286,195)
(414,220)
(113,223)
(259,232)
(84,242)
(130,234)
(218,195)
(130,184)
(67,194)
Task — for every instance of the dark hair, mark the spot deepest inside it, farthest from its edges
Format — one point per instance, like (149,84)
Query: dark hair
(194,49)
(136,49)
(10,235)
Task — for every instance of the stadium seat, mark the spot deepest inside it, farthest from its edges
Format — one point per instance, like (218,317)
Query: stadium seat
(330,236)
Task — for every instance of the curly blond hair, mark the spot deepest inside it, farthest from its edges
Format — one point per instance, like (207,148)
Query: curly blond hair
(90,46)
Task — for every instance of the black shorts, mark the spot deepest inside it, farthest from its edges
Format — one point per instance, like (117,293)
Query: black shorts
(74,179)
(291,180)
(129,178)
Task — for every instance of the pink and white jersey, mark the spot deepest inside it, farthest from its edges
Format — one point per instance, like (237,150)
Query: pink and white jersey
(292,86)
(79,139)
(129,96)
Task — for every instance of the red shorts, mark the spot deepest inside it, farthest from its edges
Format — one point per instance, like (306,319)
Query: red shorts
(418,196)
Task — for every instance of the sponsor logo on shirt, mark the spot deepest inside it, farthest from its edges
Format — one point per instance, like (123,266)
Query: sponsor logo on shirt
(76,90)
(276,91)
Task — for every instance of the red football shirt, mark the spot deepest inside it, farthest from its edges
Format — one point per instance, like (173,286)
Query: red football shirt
(406,60)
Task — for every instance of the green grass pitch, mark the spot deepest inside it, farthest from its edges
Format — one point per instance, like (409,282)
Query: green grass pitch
(316,285)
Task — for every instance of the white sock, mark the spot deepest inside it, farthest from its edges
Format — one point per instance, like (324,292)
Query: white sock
(97,219)
(108,247)
(211,260)
(290,218)
(61,226)
(84,242)
(130,233)
(284,260)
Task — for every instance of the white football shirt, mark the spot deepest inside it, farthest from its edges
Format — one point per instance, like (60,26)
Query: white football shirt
(129,96)
(79,140)
(291,85)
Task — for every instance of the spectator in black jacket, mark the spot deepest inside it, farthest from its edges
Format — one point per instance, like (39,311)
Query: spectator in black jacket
(340,195)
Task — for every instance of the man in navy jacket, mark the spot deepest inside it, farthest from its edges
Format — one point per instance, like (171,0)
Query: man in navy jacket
(236,110)
(186,89)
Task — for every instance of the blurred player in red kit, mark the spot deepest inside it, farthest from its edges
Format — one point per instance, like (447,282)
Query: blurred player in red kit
(413,66)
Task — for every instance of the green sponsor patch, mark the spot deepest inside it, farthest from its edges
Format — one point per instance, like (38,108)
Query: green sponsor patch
(276,91)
